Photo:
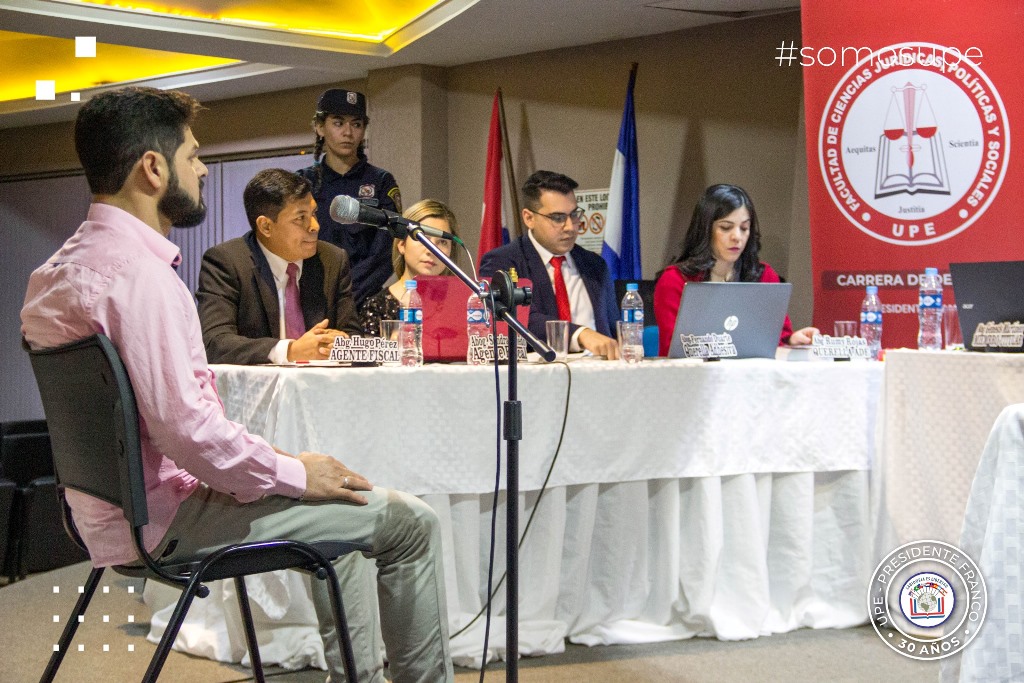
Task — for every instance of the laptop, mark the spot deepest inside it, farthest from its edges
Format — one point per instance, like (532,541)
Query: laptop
(987,292)
(444,317)
(751,312)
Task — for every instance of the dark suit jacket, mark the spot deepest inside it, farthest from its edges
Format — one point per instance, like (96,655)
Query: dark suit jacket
(238,299)
(521,255)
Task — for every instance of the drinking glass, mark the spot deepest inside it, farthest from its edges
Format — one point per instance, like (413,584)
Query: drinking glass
(558,337)
(845,328)
(951,328)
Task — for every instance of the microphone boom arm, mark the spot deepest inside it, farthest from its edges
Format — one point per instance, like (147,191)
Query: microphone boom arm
(512,422)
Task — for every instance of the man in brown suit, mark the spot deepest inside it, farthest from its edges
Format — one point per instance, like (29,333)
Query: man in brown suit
(250,310)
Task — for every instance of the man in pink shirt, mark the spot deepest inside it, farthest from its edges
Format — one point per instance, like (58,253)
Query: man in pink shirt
(209,482)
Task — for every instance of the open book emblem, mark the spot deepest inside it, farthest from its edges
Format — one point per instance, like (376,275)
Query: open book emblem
(910,154)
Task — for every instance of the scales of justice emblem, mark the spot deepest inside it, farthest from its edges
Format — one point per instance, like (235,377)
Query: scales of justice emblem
(910,155)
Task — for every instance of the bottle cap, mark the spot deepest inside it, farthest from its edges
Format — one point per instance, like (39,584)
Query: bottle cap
(410,284)
(931,271)
(632,287)
(872,289)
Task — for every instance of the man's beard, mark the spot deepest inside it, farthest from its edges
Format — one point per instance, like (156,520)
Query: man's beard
(179,207)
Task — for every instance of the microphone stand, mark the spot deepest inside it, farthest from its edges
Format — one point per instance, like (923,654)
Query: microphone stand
(507,297)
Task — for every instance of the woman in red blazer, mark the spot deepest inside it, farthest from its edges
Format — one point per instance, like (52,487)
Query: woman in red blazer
(721,245)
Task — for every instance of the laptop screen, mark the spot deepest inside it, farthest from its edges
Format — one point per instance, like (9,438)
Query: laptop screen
(751,312)
(987,292)
(444,317)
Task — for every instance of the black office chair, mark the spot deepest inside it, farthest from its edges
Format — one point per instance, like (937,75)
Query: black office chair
(94,428)
(34,533)
(7,490)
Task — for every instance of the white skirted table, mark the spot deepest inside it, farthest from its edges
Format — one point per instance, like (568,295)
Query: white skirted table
(938,408)
(993,534)
(724,499)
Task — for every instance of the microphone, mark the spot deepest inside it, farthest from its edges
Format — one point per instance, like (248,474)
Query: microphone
(345,210)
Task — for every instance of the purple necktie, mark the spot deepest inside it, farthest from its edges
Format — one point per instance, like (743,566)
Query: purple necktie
(294,325)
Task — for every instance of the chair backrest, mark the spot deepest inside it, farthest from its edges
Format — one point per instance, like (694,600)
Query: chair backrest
(94,424)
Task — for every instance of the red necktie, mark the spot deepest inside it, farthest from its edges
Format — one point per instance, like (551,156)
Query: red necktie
(561,293)
(294,325)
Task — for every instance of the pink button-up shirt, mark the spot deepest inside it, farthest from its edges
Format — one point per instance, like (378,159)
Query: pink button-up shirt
(115,276)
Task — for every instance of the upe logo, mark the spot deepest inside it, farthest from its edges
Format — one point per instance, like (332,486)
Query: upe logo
(927,600)
(913,144)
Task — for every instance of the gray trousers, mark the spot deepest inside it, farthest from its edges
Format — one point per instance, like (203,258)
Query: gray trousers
(404,538)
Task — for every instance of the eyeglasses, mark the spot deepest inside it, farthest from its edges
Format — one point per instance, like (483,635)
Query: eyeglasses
(560,218)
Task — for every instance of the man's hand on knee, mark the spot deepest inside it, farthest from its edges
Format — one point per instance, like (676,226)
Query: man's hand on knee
(328,479)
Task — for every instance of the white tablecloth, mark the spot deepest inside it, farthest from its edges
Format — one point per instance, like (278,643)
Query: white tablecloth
(993,534)
(938,410)
(724,499)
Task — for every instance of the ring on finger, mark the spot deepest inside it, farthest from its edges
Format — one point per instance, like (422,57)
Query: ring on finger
(344,483)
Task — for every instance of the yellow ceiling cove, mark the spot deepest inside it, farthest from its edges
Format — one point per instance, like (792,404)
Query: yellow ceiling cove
(30,58)
(367,20)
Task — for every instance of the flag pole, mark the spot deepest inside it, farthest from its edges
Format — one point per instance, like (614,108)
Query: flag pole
(506,153)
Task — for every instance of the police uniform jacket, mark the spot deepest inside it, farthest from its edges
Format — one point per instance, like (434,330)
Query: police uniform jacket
(369,248)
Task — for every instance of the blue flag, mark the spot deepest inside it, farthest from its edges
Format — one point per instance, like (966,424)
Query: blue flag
(621,249)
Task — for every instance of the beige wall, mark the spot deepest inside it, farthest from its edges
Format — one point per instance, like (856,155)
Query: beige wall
(711,103)
(410,114)
(275,121)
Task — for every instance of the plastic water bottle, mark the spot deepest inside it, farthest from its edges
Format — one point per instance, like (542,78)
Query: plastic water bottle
(410,328)
(477,325)
(871,321)
(632,324)
(929,311)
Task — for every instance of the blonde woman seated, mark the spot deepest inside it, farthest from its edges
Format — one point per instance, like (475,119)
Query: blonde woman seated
(409,258)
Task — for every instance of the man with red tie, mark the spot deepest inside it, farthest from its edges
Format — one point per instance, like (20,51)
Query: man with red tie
(278,293)
(569,282)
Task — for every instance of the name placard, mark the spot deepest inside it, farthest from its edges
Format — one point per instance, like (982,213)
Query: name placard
(364,350)
(481,349)
(998,336)
(708,345)
(825,346)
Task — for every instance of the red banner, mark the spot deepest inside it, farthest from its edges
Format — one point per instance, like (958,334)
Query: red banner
(910,108)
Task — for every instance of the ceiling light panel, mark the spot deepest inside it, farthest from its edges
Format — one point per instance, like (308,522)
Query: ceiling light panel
(30,58)
(366,20)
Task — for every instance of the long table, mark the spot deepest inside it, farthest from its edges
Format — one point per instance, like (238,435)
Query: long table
(938,408)
(994,536)
(724,499)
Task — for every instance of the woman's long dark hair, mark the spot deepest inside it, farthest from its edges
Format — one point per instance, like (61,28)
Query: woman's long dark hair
(717,202)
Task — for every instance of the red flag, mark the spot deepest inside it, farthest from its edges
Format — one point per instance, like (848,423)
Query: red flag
(493,225)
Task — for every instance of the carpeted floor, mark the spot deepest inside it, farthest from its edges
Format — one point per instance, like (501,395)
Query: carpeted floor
(117,650)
